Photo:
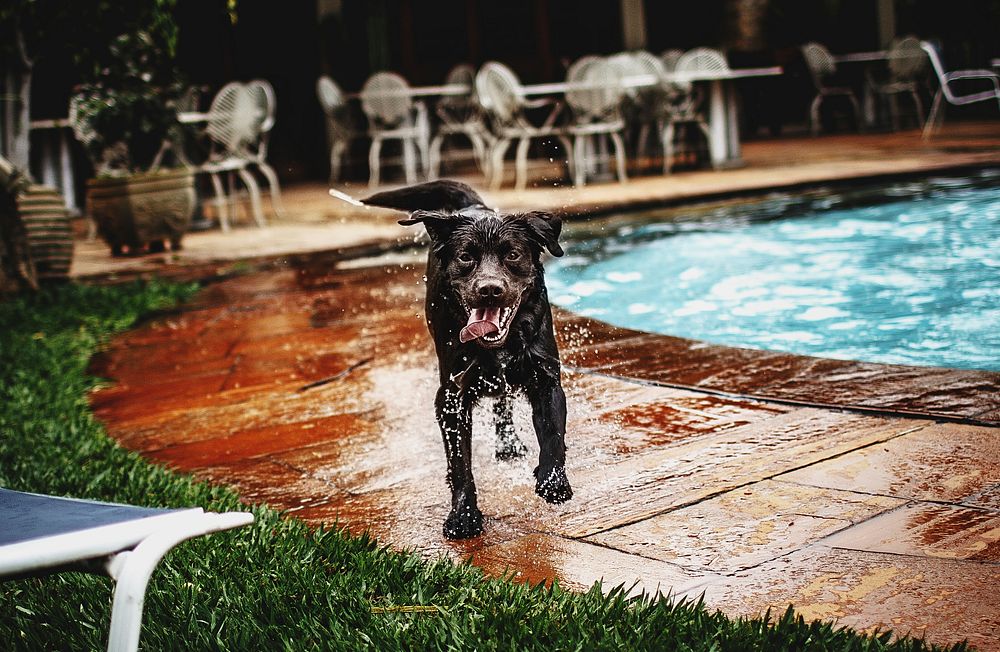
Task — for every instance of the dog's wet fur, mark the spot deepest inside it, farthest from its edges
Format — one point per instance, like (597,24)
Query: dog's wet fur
(489,316)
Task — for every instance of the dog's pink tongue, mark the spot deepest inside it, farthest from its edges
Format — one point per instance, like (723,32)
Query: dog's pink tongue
(482,321)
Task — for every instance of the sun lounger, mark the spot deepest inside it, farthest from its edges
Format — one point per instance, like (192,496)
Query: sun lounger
(45,534)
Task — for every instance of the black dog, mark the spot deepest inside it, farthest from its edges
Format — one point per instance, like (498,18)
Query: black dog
(488,312)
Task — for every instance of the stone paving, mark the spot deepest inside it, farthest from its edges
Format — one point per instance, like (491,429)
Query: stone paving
(868,494)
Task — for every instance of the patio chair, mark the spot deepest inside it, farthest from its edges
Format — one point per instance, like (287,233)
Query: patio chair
(46,534)
(393,115)
(684,103)
(907,65)
(596,112)
(234,121)
(499,93)
(822,67)
(339,128)
(947,87)
(643,105)
(263,95)
(460,115)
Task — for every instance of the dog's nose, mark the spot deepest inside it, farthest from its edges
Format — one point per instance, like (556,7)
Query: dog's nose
(490,290)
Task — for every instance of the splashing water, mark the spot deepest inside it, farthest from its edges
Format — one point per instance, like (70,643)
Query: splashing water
(908,275)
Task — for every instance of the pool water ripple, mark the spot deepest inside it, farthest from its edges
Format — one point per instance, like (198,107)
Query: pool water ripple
(911,279)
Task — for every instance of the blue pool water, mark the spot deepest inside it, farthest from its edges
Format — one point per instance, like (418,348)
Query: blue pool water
(908,275)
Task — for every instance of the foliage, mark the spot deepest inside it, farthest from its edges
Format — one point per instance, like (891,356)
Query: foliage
(129,108)
(280,584)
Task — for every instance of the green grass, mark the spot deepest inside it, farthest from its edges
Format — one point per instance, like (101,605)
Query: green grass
(279,584)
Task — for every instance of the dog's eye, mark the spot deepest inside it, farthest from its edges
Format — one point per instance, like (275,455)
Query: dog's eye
(466,257)
(513,255)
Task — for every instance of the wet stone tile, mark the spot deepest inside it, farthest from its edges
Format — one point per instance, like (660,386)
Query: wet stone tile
(652,481)
(927,529)
(228,447)
(745,527)
(939,462)
(681,416)
(578,565)
(945,600)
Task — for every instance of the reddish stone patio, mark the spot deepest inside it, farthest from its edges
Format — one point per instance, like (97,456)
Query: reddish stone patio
(311,389)
(868,494)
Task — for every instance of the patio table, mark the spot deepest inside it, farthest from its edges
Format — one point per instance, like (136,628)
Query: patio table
(723,118)
(416,91)
(867,96)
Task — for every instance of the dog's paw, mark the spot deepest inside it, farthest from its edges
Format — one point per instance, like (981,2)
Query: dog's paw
(510,449)
(463,523)
(553,485)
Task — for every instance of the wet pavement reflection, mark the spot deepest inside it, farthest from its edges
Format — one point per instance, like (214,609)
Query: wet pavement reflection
(696,467)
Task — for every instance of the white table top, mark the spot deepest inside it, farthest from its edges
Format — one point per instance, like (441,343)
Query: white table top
(416,91)
(638,81)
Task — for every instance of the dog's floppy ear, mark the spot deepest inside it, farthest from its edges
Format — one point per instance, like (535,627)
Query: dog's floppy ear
(543,228)
(439,225)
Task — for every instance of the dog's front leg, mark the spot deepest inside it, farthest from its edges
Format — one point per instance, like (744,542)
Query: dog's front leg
(454,415)
(548,406)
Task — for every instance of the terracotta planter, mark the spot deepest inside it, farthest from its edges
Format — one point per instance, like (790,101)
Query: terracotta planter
(47,223)
(141,211)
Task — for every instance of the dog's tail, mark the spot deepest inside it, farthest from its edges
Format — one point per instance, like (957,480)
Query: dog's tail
(444,196)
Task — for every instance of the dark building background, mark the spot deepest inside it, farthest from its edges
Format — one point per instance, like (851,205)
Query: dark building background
(292,43)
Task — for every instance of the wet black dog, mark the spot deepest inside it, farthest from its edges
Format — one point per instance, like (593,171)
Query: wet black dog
(488,312)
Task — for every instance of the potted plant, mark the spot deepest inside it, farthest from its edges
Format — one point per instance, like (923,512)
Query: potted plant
(126,116)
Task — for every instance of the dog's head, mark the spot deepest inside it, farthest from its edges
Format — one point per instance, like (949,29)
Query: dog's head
(490,264)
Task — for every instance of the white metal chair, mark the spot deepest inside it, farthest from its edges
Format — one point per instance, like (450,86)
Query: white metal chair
(684,104)
(263,95)
(234,121)
(947,91)
(499,92)
(644,105)
(339,129)
(596,112)
(460,115)
(45,534)
(906,67)
(393,115)
(821,67)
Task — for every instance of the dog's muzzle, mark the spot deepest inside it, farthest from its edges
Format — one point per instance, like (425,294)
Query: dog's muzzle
(489,324)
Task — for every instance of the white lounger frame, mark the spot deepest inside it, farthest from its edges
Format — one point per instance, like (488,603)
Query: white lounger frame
(128,552)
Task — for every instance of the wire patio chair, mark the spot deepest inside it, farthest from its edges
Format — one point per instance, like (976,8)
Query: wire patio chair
(596,112)
(394,115)
(499,92)
(460,115)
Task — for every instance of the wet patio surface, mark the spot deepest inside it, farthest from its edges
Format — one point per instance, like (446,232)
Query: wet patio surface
(864,493)
(311,388)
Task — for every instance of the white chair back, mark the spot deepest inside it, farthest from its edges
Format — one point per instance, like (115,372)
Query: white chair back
(602,97)
(499,92)
(263,96)
(385,99)
(907,60)
(234,118)
(819,61)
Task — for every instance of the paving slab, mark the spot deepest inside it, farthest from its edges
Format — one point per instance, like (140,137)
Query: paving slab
(942,462)
(945,600)
(746,527)
(927,529)
(538,558)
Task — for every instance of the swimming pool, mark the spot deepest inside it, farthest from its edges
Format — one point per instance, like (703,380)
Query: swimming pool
(908,273)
